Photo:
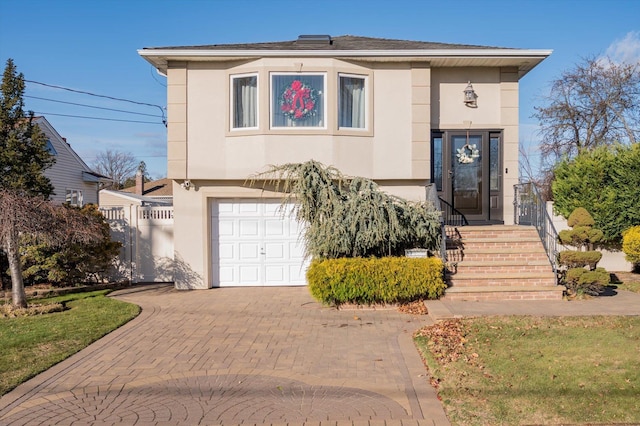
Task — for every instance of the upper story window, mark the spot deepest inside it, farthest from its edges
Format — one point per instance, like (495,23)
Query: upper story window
(49,147)
(244,95)
(298,100)
(352,102)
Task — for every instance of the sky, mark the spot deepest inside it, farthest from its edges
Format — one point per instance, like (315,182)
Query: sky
(91,47)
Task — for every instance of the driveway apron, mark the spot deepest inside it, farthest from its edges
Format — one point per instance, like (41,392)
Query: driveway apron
(237,356)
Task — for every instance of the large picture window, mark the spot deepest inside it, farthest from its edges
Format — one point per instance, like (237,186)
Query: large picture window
(245,101)
(298,100)
(352,102)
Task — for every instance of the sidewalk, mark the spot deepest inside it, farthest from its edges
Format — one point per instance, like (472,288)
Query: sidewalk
(618,303)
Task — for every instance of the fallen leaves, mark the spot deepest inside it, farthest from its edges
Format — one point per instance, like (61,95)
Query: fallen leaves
(446,340)
(414,308)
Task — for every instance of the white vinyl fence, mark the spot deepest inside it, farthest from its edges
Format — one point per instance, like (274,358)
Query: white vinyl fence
(146,235)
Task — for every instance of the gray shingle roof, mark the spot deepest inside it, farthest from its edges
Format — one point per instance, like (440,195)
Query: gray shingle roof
(345,42)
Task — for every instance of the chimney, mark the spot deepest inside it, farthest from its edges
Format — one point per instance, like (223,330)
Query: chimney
(139,183)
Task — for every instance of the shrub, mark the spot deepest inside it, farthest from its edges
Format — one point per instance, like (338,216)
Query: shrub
(582,281)
(631,246)
(71,263)
(580,259)
(604,180)
(375,280)
(576,278)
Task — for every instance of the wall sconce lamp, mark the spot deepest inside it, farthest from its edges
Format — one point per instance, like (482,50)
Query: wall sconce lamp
(470,97)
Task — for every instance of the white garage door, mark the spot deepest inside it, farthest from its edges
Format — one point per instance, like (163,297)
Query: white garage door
(255,244)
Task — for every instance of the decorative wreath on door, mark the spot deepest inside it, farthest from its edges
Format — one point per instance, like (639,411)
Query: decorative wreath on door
(298,101)
(467,154)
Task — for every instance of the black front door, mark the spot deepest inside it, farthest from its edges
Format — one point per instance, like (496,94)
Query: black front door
(467,168)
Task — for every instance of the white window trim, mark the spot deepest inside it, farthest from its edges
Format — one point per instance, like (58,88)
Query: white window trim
(69,196)
(231,102)
(366,102)
(325,93)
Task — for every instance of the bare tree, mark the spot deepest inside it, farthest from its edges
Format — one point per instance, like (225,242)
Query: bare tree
(54,223)
(595,103)
(117,165)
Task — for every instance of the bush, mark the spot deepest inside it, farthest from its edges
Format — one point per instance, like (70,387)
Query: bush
(631,246)
(607,182)
(375,280)
(582,281)
(580,259)
(71,263)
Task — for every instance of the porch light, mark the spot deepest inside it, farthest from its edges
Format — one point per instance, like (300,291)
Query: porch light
(470,97)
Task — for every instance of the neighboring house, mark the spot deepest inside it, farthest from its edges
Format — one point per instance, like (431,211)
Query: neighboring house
(154,193)
(407,114)
(73,181)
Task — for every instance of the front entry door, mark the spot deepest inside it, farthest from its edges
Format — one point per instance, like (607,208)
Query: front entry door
(470,177)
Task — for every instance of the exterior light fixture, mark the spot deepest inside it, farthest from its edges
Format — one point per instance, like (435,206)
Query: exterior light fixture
(470,97)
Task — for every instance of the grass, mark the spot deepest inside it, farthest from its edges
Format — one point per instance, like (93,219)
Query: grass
(32,344)
(530,370)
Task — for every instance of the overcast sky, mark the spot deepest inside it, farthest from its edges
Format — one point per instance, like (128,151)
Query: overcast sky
(91,46)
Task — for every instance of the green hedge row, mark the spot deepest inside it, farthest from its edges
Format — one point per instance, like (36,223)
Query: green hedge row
(375,280)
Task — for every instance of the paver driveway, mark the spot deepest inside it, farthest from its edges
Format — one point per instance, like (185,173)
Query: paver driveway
(237,356)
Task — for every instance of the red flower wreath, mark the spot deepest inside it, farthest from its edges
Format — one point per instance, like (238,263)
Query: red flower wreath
(298,101)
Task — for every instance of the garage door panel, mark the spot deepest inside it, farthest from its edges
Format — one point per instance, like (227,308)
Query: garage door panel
(249,228)
(275,251)
(249,275)
(249,251)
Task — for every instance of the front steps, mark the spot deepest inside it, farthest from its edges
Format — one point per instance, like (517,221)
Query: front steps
(499,262)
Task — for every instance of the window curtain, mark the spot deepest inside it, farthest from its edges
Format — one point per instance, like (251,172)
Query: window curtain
(352,103)
(245,94)
(280,83)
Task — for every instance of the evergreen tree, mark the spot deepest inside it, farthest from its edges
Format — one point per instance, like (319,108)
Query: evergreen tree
(23,159)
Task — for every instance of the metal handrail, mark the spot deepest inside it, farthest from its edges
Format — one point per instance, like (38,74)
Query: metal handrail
(449,216)
(453,216)
(531,210)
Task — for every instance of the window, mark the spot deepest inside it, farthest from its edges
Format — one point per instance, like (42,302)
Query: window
(494,162)
(73,197)
(49,147)
(244,95)
(352,102)
(298,100)
(436,164)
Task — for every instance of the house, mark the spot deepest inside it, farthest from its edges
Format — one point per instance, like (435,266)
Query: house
(408,114)
(73,181)
(155,193)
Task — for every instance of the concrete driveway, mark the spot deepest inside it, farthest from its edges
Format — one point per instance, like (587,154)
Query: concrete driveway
(237,356)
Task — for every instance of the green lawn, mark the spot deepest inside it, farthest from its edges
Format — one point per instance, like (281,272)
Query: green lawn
(32,344)
(529,370)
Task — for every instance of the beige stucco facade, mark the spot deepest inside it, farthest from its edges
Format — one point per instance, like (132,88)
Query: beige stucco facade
(407,99)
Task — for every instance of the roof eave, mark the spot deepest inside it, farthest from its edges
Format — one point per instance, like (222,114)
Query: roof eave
(159,58)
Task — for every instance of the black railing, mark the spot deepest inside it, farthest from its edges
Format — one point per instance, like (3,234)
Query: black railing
(531,210)
(450,219)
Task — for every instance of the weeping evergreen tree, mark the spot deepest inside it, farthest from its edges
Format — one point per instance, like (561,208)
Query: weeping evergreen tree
(350,217)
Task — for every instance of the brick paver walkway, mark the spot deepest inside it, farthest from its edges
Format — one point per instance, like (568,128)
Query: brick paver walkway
(237,356)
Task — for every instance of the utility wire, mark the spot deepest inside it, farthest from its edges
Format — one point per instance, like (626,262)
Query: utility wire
(95,118)
(164,120)
(92,106)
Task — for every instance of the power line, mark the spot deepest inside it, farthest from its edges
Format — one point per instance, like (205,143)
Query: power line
(92,106)
(164,120)
(96,118)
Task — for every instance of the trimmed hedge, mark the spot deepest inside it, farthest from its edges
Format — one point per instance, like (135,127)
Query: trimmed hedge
(580,259)
(368,281)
